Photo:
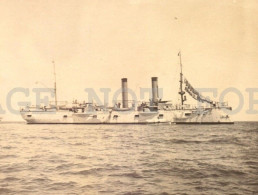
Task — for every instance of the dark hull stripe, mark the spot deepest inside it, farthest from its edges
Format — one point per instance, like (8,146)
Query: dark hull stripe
(203,123)
(98,123)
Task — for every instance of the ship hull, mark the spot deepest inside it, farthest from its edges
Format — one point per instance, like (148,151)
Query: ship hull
(191,117)
(101,117)
(202,116)
(46,117)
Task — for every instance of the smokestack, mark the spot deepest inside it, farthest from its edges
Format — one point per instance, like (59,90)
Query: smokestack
(124,93)
(155,89)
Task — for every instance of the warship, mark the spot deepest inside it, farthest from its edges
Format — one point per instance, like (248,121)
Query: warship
(128,111)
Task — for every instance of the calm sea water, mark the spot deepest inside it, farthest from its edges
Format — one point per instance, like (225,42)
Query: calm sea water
(129,159)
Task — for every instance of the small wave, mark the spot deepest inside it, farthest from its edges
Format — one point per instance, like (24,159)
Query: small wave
(88,186)
(62,185)
(131,193)
(182,171)
(56,160)
(223,183)
(81,157)
(251,183)
(5,190)
(106,191)
(30,137)
(94,171)
(251,130)
(70,183)
(106,136)
(164,193)
(228,140)
(218,170)
(74,137)
(48,138)
(86,172)
(77,144)
(64,166)
(9,179)
(183,141)
(132,175)
(207,189)
(41,180)
(8,147)
(11,169)
(26,192)
(229,172)
(8,156)
(138,192)
(251,163)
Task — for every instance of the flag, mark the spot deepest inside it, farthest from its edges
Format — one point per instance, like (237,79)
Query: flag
(179,53)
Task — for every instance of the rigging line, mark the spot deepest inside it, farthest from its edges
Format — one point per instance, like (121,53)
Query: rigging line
(54,66)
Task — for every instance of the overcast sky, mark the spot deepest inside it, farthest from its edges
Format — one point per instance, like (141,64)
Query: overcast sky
(96,43)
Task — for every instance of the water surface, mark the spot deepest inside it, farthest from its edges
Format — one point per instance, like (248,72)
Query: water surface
(129,159)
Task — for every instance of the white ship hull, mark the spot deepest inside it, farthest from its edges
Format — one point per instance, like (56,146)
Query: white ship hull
(47,117)
(99,117)
(206,116)
(209,116)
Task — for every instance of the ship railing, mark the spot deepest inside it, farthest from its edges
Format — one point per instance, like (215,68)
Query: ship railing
(59,103)
(37,108)
(223,105)
(190,107)
(184,107)
(131,103)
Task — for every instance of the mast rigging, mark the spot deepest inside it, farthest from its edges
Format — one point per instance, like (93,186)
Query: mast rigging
(54,66)
(181,92)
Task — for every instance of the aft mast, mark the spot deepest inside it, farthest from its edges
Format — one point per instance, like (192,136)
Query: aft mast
(55,83)
(181,92)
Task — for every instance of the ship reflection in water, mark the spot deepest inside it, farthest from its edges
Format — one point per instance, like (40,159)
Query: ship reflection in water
(129,159)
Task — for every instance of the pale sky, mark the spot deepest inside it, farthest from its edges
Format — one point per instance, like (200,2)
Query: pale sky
(96,43)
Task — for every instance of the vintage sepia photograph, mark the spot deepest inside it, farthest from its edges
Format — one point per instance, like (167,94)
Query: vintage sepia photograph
(128,97)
